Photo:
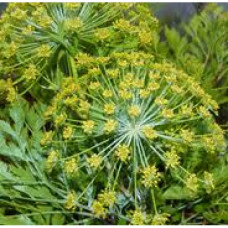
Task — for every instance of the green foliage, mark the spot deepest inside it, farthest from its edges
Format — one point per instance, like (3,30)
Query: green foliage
(201,50)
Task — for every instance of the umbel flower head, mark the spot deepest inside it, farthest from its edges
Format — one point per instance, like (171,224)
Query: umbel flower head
(140,118)
(33,35)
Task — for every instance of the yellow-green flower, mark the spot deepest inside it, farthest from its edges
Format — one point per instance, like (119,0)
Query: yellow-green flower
(123,153)
(52,160)
(46,138)
(109,108)
(94,161)
(150,176)
(98,209)
(31,72)
(172,159)
(71,166)
(110,126)
(88,126)
(44,51)
(107,198)
(160,219)
(70,201)
(192,182)
(149,132)
(208,182)
(67,132)
(134,110)
(138,217)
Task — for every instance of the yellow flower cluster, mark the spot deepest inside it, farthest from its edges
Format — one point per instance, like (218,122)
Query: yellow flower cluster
(109,109)
(107,198)
(60,119)
(134,111)
(149,132)
(150,176)
(44,51)
(71,166)
(67,132)
(46,138)
(192,182)
(31,72)
(98,209)
(172,160)
(138,217)
(73,24)
(110,126)
(70,201)
(52,160)
(94,161)
(160,219)
(208,182)
(88,126)
(123,153)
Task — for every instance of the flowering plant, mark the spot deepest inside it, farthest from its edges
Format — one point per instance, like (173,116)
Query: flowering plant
(121,138)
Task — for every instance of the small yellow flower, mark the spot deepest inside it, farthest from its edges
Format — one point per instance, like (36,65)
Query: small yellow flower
(186,110)
(67,132)
(28,30)
(204,112)
(208,182)
(122,25)
(153,75)
(52,160)
(94,161)
(72,5)
(74,24)
(94,85)
(160,219)
(88,126)
(152,86)
(176,89)
(113,73)
(71,101)
(46,138)
(144,93)
(110,126)
(98,209)
(150,176)
(94,71)
(60,119)
(172,159)
(11,95)
(125,94)
(138,83)
(31,72)
(107,198)
(138,217)
(45,21)
(70,201)
(107,93)
(44,51)
(145,37)
(192,182)
(109,109)
(167,113)
(187,136)
(123,153)
(161,101)
(84,105)
(149,132)
(71,166)
(134,110)
(102,34)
